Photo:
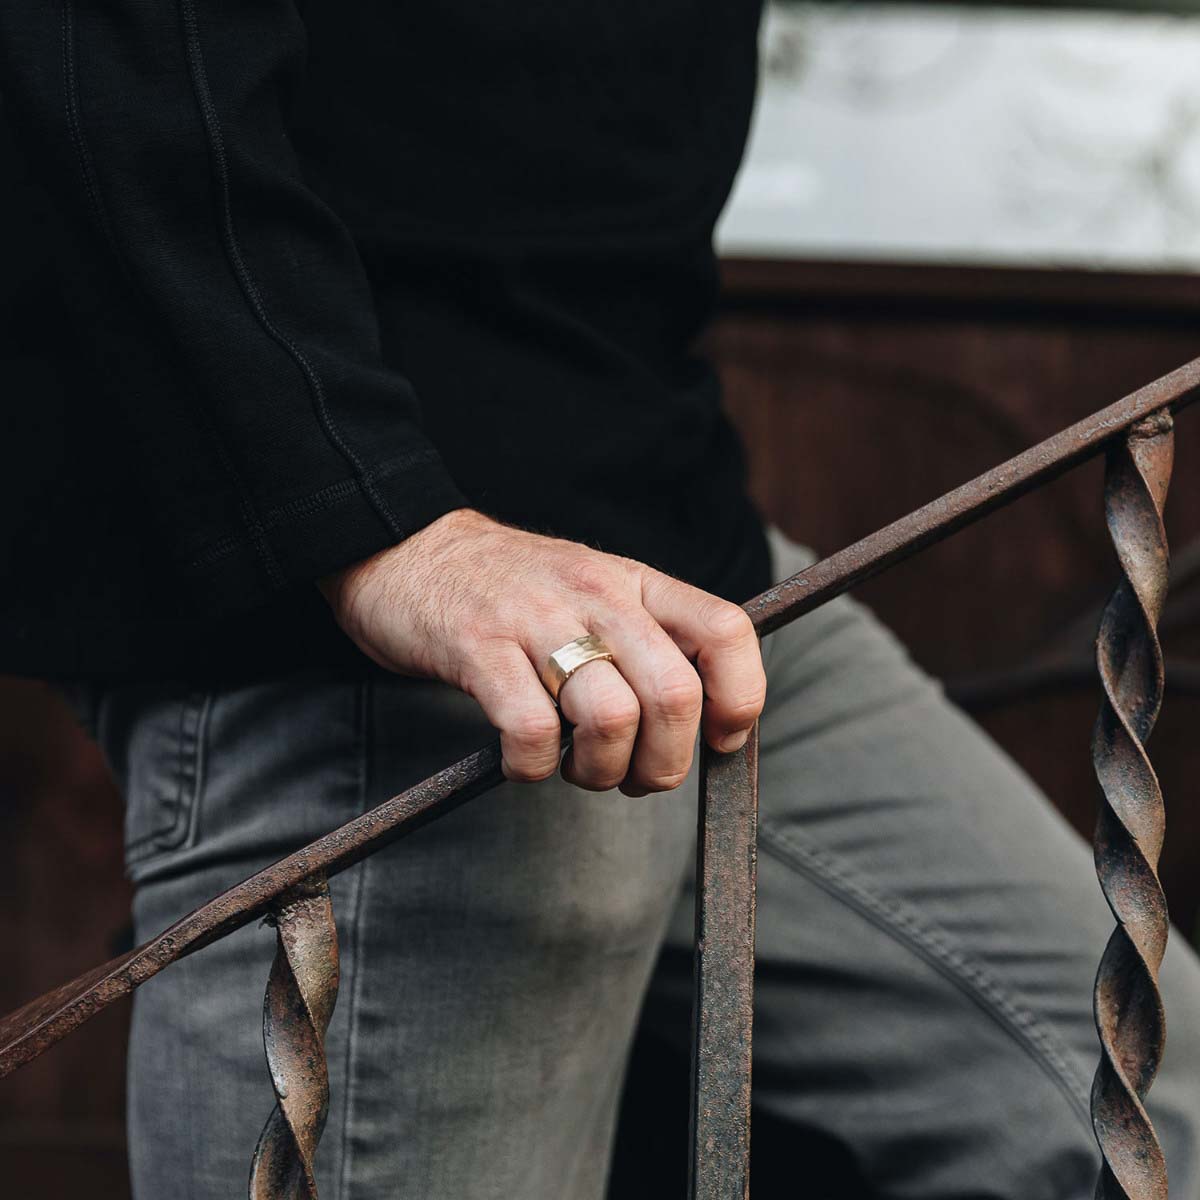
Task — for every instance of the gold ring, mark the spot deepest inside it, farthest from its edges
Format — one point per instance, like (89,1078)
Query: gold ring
(566,660)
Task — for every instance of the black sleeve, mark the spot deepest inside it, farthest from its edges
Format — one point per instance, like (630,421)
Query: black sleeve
(245,355)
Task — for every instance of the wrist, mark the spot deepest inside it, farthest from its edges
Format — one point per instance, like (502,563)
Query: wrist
(340,586)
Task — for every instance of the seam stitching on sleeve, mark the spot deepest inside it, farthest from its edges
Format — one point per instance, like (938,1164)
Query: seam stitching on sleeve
(75,123)
(99,210)
(319,501)
(898,919)
(237,263)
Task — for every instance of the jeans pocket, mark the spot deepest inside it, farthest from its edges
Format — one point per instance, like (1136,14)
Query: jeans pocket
(154,739)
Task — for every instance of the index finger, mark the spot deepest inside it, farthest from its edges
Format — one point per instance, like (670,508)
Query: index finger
(720,638)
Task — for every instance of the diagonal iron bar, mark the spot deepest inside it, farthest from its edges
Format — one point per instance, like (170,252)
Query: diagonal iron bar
(30,1030)
(725,949)
(33,1029)
(933,522)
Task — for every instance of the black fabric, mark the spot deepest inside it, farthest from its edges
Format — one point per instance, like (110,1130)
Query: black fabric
(241,238)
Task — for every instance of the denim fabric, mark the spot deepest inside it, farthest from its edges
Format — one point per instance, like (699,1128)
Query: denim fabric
(928,929)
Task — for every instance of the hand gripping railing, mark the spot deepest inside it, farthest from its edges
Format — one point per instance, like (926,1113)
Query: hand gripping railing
(293,893)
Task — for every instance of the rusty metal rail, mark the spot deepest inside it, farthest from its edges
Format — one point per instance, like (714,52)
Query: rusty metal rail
(1129,832)
(293,893)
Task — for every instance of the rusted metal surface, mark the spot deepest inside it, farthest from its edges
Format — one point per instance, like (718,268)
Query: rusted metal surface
(301,993)
(1129,832)
(722,1010)
(31,1030)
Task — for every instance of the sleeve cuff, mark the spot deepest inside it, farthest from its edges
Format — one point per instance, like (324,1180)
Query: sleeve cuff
(299,542)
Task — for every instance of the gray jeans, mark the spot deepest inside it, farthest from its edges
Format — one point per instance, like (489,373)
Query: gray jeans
(928,930)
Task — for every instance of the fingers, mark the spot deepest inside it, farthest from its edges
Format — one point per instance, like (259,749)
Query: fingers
(669,697)
(605,713)
(515,702)
(721,639)
(636,720)
(595,699)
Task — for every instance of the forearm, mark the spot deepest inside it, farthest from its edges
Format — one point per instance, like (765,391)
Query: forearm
(163,129)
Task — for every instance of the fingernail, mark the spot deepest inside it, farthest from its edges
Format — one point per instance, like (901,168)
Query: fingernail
(735,741)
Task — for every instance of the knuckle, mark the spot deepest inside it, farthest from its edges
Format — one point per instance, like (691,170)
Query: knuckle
(530,760)
(535,730)
(744,711)
(728,623)
(613,718)
(476,634)
(592,575)
(593,776)
(679,695)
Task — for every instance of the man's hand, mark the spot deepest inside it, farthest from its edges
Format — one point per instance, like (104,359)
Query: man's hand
(482,606)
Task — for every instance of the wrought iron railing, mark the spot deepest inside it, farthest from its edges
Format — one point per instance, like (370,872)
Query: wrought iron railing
(293,893)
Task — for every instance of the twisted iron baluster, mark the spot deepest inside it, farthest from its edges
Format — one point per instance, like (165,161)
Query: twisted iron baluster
(300,997)
(1129,832)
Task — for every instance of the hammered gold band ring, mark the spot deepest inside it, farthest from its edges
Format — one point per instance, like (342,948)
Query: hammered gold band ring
(566,660)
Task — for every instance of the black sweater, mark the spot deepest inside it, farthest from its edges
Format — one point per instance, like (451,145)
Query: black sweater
(281,283)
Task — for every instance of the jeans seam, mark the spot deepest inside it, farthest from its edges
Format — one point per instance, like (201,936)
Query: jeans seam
(200,765)
(899,921)
(190,749)
(358,884)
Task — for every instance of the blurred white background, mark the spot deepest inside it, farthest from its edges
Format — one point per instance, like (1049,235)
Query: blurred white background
(983,136)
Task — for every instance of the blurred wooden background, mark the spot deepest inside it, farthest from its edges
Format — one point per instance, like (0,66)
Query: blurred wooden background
(861,391)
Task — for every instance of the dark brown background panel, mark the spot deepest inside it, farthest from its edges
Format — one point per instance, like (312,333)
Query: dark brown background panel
(64,907)
(862,391)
